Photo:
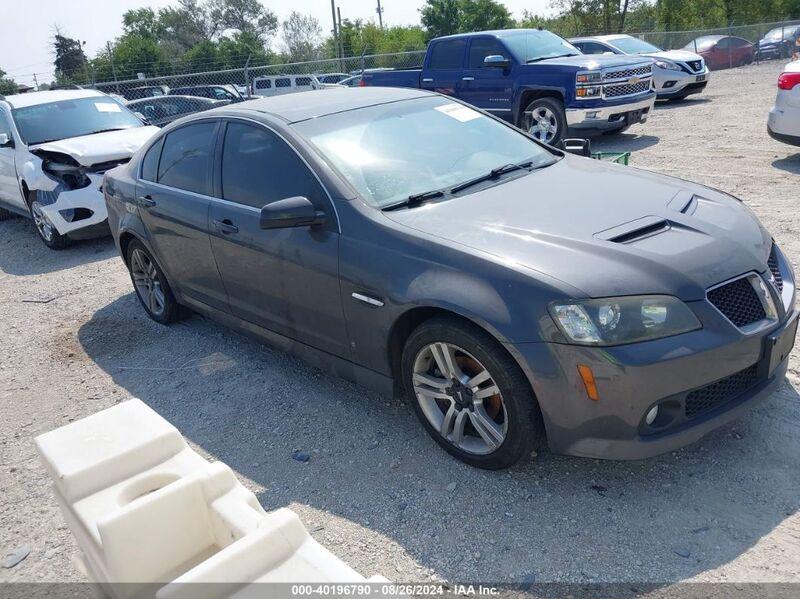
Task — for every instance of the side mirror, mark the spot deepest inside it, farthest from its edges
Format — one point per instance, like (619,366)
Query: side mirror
(141,117)
(581,147)
(6,141)
(496,61)
(291,212)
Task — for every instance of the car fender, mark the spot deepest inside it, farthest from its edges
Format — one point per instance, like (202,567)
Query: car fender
(521,91)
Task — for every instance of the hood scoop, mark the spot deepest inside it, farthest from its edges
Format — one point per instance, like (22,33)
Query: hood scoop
(636,230)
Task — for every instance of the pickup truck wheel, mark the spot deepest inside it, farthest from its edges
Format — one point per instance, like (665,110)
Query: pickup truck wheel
(469,394)
(545,120)
(46,230)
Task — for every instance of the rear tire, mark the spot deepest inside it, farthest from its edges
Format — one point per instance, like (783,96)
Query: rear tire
(469,394)
(151,285)
(545,120)
(46,230)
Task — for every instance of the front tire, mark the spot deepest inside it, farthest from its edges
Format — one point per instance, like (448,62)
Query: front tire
(469,394)
(151,285)
(545,120)
(46,229)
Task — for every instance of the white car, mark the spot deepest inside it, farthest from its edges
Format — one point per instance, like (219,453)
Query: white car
(784,118)
(676,73)
(54,148)
(277,85)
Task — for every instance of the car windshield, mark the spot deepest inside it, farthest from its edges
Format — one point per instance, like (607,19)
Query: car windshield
(702,43)
(392,151)
(781,33)
(631,45)
(533,44)
(72,118)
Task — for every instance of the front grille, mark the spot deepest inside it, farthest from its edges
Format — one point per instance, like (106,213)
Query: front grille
(695,65)
(739,302)
(712,396)
(775,270)
(644,71)
(617,91)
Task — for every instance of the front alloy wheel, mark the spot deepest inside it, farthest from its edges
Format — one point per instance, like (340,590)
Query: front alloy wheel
(45,228)
(460,398)
(470,394)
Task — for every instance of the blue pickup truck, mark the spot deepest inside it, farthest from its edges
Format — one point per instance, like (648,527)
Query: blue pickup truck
(534,79)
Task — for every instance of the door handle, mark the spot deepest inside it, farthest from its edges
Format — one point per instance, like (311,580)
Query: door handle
(225,227)
(427,80)
(146,201)
(468,79)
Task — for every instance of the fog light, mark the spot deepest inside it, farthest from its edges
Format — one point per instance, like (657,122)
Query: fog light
(651,415)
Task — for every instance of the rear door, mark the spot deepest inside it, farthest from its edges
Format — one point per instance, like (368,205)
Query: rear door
(285,280)
(173,197)
(444,66)
(489,88)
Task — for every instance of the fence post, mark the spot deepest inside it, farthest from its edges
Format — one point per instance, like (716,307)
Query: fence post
(730,47)
(247,75)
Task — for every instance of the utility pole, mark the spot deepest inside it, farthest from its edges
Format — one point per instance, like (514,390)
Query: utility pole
(336,32)
(379,10)
(36,82)
(111,60)
(341,41)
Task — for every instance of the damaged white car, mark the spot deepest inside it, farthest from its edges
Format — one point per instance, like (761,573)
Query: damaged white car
(54,148)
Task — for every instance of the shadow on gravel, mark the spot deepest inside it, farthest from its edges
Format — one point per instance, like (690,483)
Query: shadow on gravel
(790,164)
(553,518)
(23,253)
(685,103)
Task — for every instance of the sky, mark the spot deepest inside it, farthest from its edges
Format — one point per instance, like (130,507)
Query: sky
(28,26)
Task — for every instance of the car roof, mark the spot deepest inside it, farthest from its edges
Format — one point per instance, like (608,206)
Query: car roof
(171,98)
(54,95)
(500,33)
(293,108)
(600,38)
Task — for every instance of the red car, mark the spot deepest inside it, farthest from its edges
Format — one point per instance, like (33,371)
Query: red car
(723,51)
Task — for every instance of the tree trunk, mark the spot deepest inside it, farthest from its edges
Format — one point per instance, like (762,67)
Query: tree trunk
(622,15)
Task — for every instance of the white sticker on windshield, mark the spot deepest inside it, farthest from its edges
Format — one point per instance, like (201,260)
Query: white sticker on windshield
(459,112)
(107,107)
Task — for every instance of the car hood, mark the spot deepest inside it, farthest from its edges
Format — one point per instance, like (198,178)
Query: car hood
(591,62)
(604,229)
(100,147)
(674,55)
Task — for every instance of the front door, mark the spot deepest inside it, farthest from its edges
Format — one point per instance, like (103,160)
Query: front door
(444,67)
(173,200)
(285,280)
(489,88)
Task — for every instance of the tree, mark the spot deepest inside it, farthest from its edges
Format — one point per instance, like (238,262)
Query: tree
(245,16)
(302,37)
(441,17)
(8,86)
(445,17)
(71,65)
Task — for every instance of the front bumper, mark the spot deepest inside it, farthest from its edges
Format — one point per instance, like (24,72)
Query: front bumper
(677,83)
(607,118)
(73,212)
(632,379)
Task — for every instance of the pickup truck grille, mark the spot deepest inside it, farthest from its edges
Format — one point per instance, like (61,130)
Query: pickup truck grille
(622,83)
(618,91)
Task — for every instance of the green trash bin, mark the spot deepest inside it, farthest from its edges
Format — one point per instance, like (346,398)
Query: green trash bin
(618,157)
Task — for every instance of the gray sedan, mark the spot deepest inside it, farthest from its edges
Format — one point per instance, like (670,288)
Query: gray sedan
(518,296)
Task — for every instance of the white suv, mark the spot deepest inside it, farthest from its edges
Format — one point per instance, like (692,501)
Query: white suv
(54,148)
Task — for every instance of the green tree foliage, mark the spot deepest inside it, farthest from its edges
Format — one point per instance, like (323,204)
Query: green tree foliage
(359,37)
(71,65)
(301,37)
(8,86)
(445,17)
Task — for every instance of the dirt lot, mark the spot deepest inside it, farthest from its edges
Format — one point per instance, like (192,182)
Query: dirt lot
(73,341)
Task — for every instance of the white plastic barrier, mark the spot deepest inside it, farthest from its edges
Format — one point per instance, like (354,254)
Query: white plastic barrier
(145,508)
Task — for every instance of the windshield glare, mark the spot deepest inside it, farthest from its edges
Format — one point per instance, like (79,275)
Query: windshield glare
(533,44)
(72,118)
(702,43)
(631,45)
(392,151)
(780,33)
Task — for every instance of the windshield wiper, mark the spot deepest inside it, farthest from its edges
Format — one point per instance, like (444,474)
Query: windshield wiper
(492,174)
(105,130)
(549,57)
(415,200)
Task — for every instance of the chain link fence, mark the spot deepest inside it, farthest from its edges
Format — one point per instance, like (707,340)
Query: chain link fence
(202,83)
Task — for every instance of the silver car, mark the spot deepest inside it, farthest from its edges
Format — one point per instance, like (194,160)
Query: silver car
(676,73)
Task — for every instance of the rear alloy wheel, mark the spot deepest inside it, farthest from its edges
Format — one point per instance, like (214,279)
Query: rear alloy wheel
(469,394)
(45,228)
(151,286)
(544,120)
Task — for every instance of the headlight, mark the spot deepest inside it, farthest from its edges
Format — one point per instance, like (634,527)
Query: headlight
(665,64)
(620,320)
(589,78)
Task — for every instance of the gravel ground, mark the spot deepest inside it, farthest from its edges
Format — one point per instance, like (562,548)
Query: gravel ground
(376,490)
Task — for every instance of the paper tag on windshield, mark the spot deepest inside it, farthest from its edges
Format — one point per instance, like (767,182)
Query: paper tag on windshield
(459,112)
(107,107)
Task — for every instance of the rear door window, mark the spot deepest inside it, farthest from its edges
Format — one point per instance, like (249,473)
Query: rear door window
(150,161)
(186,158)
(447,55)
(283,82)
(303,81)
